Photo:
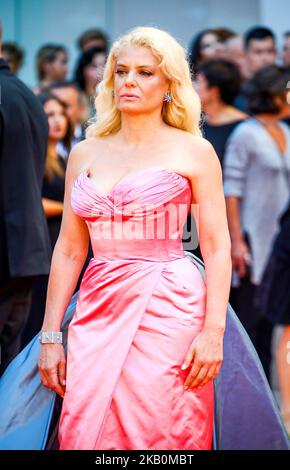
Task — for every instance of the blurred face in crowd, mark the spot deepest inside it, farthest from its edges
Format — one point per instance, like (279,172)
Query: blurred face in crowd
(83,111)
(235,52)
(137,73)
(94,43)
(211,46)
(58,68)
(57,120)
(286,51)
(93,72)
(13,65)
(284,104)
(206,93)
(260,53)
(70,97)
(288,98)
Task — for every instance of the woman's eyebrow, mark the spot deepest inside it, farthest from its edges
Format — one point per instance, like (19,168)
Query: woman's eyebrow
(138,66)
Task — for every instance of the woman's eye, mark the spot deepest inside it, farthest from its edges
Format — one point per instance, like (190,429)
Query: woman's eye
(143,72)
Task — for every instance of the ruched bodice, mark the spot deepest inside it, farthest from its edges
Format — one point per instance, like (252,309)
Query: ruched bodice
(142,217)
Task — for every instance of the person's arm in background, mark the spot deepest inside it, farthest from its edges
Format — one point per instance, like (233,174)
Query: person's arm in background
(51,207)
(236,160)
(240,249)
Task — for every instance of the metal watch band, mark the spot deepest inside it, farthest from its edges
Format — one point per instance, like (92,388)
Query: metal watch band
(50,337)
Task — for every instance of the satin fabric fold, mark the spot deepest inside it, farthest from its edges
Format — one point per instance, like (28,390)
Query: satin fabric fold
(143,333)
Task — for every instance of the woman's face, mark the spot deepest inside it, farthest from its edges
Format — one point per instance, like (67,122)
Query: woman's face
(137,74)
(202,88)
(210,46)
(282,104)
(57,120)
(58,69)
(93,72)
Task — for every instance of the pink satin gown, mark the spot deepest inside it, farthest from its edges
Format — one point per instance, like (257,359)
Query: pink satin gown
(141,303)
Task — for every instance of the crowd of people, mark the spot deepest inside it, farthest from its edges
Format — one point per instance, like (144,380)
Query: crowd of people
(242,83)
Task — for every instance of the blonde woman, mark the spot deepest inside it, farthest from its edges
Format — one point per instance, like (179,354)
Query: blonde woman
(146,339)
(141,311)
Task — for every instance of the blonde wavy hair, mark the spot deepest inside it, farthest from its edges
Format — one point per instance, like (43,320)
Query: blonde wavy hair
(183,112)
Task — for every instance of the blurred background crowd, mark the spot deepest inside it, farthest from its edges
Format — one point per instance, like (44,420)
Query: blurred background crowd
(243,81)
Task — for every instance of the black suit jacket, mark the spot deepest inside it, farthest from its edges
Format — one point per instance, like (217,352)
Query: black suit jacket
(24,241)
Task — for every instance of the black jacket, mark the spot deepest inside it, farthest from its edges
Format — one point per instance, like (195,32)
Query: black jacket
(24,241)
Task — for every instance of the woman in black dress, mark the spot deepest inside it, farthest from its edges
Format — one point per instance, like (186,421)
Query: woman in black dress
(52,200)
(273,300)
(218,83)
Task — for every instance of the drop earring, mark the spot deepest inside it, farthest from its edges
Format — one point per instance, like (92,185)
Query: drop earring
(113,94)
(167,97)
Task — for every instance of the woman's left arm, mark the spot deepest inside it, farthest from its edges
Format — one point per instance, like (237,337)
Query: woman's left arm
(206,352)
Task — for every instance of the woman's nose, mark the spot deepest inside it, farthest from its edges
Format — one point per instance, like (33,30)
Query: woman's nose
(130,78)
(57,120)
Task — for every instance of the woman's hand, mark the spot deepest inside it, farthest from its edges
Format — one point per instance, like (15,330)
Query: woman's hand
(205,357)
(52,367)
(241,257)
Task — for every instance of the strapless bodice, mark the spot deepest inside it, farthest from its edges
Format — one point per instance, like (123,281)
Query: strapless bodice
(142,217)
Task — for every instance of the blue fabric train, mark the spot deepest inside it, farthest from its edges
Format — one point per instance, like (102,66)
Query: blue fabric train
(246,413)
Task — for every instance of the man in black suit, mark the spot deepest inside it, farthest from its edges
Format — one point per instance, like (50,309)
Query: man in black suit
(24,241)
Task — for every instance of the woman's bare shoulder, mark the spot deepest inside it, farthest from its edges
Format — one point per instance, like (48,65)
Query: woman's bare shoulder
(83,152)
(198,155)
(190,141)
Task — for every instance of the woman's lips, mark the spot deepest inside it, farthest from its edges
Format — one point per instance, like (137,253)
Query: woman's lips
(130,97)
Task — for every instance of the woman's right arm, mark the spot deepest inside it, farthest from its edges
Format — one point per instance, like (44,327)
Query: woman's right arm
(68,258)
(236,162)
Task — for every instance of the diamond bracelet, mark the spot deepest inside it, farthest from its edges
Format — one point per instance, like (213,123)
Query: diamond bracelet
(50,337)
